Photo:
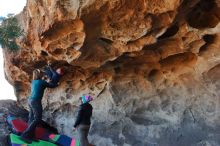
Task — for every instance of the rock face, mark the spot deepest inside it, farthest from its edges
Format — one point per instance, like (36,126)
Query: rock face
(152,65)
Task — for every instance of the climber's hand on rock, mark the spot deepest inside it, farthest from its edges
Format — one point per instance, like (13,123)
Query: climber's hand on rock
(49,63)
(74,129)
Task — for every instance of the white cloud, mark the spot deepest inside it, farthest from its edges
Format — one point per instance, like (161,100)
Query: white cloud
(11,6)
(6,7)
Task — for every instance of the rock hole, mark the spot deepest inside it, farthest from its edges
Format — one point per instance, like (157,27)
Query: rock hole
(92,88)
(44,53)
(208,38)
(108,41)
(153,73)
(81,82)
(203,15)
(15,61)
(171,31)
(58,51)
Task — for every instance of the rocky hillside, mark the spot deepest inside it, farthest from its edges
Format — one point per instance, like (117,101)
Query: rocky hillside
(152,65)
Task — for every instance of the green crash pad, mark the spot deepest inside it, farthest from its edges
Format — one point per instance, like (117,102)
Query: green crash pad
(16,141)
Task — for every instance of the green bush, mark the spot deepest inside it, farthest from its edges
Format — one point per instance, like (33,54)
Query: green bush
(9,31)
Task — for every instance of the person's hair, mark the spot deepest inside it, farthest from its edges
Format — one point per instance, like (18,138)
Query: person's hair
(37,75)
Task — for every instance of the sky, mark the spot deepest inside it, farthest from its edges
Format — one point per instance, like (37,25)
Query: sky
(6,7)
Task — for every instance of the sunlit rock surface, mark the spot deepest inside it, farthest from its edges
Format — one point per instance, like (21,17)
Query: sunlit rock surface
(152,65)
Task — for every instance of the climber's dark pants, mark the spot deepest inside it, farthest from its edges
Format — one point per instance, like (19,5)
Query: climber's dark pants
(35,116)
(83,131)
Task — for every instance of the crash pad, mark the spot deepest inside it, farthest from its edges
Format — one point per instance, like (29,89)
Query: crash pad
(41,133)
(16,141)
(19,126)
(64,140)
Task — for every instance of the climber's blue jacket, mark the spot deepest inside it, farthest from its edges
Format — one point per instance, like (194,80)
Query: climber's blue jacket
(38,87)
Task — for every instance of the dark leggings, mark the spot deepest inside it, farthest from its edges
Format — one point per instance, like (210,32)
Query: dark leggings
(83,131)
(35,116)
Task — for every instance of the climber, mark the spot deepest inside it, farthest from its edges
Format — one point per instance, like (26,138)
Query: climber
(83,120)
(38,86)
(53,75)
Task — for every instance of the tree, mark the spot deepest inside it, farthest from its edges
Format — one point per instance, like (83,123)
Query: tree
(9,32)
